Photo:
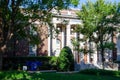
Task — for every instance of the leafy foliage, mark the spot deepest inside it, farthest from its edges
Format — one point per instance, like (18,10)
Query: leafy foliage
(16,17)
(65,60)
(93,14)
(99,18)
(53,62)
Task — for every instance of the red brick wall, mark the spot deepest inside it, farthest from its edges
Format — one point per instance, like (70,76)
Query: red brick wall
(43,46)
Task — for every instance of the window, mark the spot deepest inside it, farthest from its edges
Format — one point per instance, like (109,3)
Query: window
(32,50)
(58,46)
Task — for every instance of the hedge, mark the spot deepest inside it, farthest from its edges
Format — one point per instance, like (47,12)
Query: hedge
(13,63)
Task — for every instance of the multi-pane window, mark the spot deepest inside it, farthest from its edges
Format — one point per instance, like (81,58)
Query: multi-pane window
(32,50)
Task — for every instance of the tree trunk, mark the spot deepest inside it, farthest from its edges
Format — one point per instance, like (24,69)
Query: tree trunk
(90,48)
(103,59)
(102,54)
(78,46)
(1,55)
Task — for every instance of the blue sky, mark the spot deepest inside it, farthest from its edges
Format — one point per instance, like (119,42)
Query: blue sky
(83,1)
(113,0)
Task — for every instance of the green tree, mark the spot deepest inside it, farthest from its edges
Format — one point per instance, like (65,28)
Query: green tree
(17,15)
(96,19)
(66,60)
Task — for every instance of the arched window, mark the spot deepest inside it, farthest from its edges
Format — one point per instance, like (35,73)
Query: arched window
(58,47)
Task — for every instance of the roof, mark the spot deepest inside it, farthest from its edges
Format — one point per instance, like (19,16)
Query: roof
(65,13)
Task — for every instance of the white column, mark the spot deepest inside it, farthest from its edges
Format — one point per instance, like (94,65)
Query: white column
(88,58)
(49,41)
(75,35)
(54,40)
(68,35)
(95,57)
(63,38)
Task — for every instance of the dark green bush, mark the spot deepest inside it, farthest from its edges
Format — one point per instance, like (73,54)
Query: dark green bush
(12,63)
(100,72)
(66,60)
(53,63)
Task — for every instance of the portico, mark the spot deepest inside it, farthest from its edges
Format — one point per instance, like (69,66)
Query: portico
(65,26)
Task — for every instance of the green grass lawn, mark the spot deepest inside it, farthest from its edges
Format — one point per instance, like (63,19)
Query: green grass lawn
(13,75)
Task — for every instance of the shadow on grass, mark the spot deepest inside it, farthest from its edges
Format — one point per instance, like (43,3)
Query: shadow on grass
(101,72)
(20,75)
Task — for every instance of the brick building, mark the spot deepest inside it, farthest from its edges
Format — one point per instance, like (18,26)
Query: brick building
(65,23)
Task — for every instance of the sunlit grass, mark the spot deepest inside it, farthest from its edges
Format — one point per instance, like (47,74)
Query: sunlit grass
(20,75)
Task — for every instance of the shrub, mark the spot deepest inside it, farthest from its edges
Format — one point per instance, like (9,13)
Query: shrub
(66,60)
(53,63)
(14,75)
